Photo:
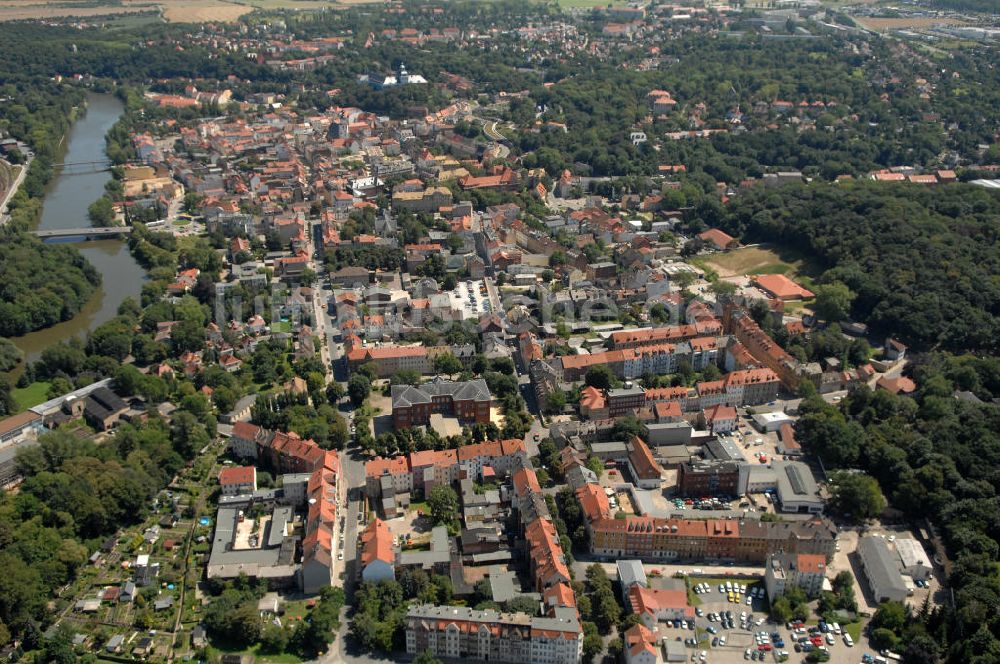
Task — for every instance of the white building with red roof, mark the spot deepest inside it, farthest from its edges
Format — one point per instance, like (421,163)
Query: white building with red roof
(236,480)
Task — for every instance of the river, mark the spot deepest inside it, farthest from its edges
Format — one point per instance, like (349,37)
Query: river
(65,206)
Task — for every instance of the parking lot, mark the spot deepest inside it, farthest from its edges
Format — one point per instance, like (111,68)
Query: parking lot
(471,297)
(728,629)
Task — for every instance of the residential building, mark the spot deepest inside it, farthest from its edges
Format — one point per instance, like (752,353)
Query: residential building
(624,400)
(654,539)
(719,418)
(378,559)
(630,573)
(762,347)
(654,605)
(235,480)
(390,360)
(700,478)
(458,632)
(642,646)
(803,570)
(643,465)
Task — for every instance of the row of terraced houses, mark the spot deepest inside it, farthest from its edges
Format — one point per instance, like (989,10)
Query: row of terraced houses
(461,632)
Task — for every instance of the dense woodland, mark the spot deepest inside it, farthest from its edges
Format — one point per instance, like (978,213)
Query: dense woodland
(923,262)
(935,457)
(41,285)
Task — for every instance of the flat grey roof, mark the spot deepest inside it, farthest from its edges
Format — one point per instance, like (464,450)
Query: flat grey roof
(225,562)
(276,529)
(501,583)
(613,446)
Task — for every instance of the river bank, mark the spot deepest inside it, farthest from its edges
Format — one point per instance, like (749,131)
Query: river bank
(65,206)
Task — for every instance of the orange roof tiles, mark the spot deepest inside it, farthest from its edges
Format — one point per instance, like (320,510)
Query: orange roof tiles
(652,600)
(811,563)
(391,466)
(593,501)
(559,594)
(525,482)
(719,238)
(376,544)
(237,475)
(642,460)
(781,287)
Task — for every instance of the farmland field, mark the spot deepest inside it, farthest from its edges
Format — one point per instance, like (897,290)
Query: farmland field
(195,11)
(171,10)
(19,10)
(175,11)
(912,22)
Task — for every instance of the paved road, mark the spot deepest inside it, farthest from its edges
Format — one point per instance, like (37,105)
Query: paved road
(13,189)
(490,129)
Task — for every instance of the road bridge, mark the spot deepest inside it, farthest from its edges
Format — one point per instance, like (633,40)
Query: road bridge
(93,233)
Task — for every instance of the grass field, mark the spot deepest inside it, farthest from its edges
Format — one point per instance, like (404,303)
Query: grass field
(761,260)
(34,394)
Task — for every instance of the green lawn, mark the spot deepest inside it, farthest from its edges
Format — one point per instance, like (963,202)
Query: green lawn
(215,653)
(34,394)
(854,629)
(279,326)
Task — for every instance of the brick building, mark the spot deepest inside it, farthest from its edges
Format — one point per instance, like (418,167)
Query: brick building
(469,401)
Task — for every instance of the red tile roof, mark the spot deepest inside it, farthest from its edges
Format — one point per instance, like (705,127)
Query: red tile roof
(719,238)
(781,287)
(642,460)
(237,475)
(376,543)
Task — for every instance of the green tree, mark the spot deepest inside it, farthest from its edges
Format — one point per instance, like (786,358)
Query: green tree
(883,639)
(600,377)
(833,301)
(101,212)
(720,287)
(426,657)
(443,503)
(593,644)
(358,389)
(856,495)
(781,610)
(10,355)
(335,392)
(447,364)
(274,639)
(556,401)
(891,616)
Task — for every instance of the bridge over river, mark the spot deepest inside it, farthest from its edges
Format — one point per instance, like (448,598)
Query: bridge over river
(91,233)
